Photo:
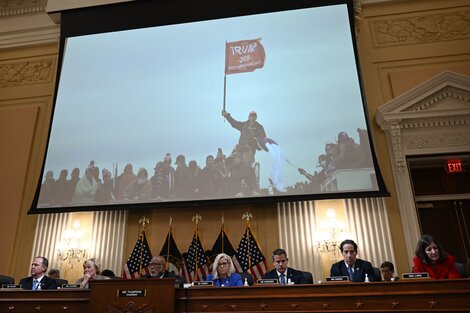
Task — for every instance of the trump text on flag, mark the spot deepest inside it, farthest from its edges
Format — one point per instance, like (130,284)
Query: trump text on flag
(244,56)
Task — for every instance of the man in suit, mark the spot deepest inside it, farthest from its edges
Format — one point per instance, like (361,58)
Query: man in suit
(54,273)
(356,269)
(282,272)
(388,271)
(38,279)
(158,270)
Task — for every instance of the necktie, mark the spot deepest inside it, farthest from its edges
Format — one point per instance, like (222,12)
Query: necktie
(351,273)
(283,279)
(35,284)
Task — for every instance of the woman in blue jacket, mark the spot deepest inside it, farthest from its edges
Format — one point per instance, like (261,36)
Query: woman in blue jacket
(223,272)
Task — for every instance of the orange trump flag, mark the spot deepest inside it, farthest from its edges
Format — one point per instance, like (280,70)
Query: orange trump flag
(243,56)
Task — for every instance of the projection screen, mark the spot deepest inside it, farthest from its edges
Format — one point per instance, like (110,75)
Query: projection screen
(160,105)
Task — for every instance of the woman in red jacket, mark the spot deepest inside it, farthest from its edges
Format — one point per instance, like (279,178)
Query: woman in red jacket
(431,258)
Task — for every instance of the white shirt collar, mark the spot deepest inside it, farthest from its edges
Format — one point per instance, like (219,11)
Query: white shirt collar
(38,279)
(352,267)
(279,273)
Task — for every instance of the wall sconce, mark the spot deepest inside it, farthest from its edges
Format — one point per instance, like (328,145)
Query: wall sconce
(330,236)
(71,248)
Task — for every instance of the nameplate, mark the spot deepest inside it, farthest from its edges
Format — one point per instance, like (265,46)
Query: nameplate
(337,278)
(11,286)
(415,275)
(70,286)
(267,281)
(132,293)
(202,283)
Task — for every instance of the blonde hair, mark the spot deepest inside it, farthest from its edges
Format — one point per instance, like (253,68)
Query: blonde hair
(96,264)
(215,272)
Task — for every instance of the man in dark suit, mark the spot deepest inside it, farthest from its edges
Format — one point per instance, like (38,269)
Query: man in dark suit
(158,270)
(284,274)
(356,269)
(38,280)
(388,271)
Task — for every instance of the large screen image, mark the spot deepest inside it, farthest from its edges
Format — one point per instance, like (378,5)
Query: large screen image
(261,106)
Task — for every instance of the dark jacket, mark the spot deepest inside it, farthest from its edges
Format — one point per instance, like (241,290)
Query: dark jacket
(250,135)
(361,267)
(179,280)
(295,276)
(46,283)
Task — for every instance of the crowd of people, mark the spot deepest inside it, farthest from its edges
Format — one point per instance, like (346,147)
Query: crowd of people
(221,177)
(236,175)
(346,153)
(430,258)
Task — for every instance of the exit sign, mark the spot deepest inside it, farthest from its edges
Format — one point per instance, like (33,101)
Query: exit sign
(454,166)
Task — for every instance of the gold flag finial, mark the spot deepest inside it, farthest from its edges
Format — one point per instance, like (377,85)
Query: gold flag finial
(144,221)
(170,221)
(222,218)
(197,218)
(247,216)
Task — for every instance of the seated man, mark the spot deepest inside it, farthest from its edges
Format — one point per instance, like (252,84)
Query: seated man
(158,270)
(388,271)
(356,269)
(38,279)
(55,274)
(282,272)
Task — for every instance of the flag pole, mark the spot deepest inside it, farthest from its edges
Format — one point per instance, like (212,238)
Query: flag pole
(247,216)
(196,218)
(169,243)
(225,78)
(223,233)
(143,220)
(225,91)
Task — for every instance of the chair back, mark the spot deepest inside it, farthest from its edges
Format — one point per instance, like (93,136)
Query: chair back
(248,277)
(6,280)
(461,268)
(308,276)
(378,274)
(59,282)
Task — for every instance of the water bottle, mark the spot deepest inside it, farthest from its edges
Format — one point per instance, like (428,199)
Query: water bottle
(367,278)
(246,282)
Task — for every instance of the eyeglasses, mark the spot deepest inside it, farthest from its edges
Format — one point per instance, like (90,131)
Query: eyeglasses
(223,264)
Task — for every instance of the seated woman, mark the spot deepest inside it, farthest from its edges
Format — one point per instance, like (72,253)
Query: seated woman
(223,272)
(431,258)
(91,271)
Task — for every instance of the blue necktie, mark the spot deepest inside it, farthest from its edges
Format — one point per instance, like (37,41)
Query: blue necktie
(351,273)
(35,284)
(283,279)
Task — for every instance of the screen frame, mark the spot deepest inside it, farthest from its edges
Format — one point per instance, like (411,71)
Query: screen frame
(140,14)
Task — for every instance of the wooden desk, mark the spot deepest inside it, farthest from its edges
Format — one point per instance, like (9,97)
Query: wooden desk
(60,300)
(401,296)
(105,296)
(129,296)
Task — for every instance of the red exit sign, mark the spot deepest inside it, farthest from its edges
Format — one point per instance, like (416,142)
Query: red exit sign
(454,166)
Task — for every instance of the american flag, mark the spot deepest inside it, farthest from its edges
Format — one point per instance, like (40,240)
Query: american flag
(248,257)
(195,261)
(139,260)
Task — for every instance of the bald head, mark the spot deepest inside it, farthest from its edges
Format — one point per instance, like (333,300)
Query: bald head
(157,265)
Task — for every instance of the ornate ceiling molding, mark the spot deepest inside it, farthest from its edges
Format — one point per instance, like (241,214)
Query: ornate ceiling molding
(421,29)
(19,7)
